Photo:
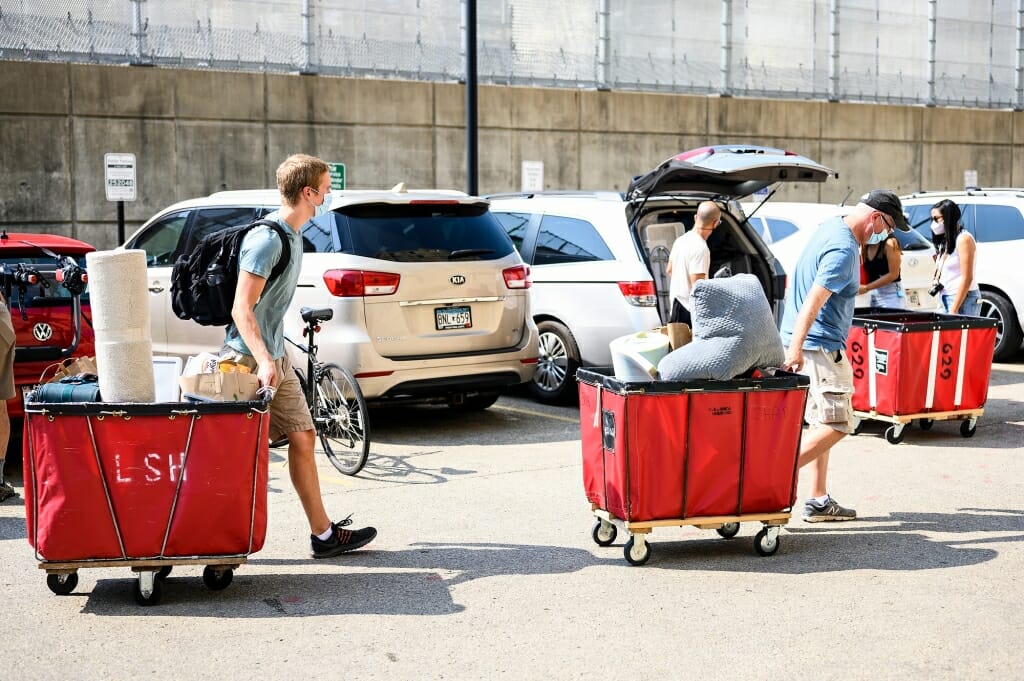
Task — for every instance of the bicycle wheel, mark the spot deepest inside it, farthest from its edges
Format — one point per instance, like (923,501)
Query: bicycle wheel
(343,423)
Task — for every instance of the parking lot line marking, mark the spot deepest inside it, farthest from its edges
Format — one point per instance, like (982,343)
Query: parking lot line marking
(530,412)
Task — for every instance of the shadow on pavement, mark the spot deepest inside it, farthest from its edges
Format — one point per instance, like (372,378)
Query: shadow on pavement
(13,528)
(894,542)
(941,432)
(414,581)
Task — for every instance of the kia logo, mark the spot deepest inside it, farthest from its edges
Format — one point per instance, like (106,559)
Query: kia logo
(457,279)
(42,331)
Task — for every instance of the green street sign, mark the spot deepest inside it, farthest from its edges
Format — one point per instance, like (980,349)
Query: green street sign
(337,175)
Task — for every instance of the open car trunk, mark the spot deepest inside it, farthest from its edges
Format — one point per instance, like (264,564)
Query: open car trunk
(662,205)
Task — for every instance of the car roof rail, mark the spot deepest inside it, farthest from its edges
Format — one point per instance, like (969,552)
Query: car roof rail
(608,195)
(969,191)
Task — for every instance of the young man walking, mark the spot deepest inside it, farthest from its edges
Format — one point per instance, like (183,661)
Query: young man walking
(256,339)
(815,325)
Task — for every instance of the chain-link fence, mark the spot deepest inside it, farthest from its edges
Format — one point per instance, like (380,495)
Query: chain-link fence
(944,52)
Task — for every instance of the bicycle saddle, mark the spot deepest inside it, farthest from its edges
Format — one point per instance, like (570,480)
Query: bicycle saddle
(311,315)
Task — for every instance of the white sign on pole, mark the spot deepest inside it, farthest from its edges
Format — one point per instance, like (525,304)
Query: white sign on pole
(970,178)
(533,176)
(119,176)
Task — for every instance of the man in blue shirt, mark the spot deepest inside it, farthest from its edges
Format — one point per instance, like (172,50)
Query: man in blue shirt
(256,339)
(815,325)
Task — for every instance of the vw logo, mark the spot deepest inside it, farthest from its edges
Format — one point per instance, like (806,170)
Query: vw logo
(42,331)
(457,279)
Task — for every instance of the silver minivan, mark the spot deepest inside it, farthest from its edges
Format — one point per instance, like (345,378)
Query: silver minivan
(430,297)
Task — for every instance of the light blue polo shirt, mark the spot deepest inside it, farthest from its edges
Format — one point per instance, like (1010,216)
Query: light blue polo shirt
(261,249)
(831,258)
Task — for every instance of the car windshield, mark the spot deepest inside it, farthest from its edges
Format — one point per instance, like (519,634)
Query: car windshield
(912,241)
(426,232)
(30,281)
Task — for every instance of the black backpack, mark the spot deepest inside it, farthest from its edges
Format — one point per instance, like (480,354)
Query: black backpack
(203,280)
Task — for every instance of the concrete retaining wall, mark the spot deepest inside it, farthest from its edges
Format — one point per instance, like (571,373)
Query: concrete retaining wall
(196,132)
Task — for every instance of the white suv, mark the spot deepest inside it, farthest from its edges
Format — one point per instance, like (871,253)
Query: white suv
(996,219)
(430,297)
(787,226)
(598,258)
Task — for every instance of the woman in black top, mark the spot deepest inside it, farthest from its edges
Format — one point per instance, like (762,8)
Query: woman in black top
(881,259)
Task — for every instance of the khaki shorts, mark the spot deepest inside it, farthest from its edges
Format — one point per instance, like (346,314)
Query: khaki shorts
(7,343)
(829,396)
(289,412)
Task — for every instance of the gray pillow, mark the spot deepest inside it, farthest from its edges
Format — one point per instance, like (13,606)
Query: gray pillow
(733,332)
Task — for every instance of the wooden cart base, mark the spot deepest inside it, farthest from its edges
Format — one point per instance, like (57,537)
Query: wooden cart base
(637,550)
(925,420)
(62,577)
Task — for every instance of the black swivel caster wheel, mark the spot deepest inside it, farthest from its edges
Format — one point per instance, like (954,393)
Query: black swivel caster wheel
(604,533)
(637,553)
(969,427)
(894,434)
(925,424)
(766,542)
(62,585)
(728,530)
(163,572)
(217,579)
(148,589)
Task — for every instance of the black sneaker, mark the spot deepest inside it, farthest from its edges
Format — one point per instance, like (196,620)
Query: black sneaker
(6,491)
(829,511)
(341,540)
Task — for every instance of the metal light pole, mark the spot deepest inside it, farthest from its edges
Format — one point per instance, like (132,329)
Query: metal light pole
(472,185)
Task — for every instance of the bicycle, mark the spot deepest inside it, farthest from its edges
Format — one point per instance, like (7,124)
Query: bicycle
(335,401)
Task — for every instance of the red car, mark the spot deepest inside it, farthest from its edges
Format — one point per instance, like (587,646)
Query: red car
(42,277)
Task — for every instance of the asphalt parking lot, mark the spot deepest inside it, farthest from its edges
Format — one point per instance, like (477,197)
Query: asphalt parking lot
(485,568)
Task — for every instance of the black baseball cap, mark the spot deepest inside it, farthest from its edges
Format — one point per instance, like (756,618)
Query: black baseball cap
(887,202)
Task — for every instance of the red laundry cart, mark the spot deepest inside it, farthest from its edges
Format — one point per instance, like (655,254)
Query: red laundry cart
(145,486)
(707,453)
(920,366)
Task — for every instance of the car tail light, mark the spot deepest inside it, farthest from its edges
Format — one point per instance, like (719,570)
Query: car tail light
(374,374)
(639,293)
(517,277)
(357,283)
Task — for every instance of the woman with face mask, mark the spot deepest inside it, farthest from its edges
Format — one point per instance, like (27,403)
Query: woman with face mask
(958,290)
(880,257)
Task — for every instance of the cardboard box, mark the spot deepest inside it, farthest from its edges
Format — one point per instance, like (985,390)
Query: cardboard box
(679,334)
(221,386)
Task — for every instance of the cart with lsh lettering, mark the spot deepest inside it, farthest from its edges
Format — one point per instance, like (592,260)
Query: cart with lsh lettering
(146,486)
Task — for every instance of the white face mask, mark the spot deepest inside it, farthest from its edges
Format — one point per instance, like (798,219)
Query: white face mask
(938,227)
(323,208)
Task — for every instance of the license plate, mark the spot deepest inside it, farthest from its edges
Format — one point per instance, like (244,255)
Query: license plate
(452,318)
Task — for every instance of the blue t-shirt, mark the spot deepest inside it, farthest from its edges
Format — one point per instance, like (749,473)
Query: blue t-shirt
(261,249)
(831,258)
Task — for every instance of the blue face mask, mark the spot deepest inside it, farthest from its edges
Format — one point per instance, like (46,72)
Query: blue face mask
(877,238)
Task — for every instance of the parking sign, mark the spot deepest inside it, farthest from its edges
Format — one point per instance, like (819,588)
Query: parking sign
(119,176)
(337,171)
